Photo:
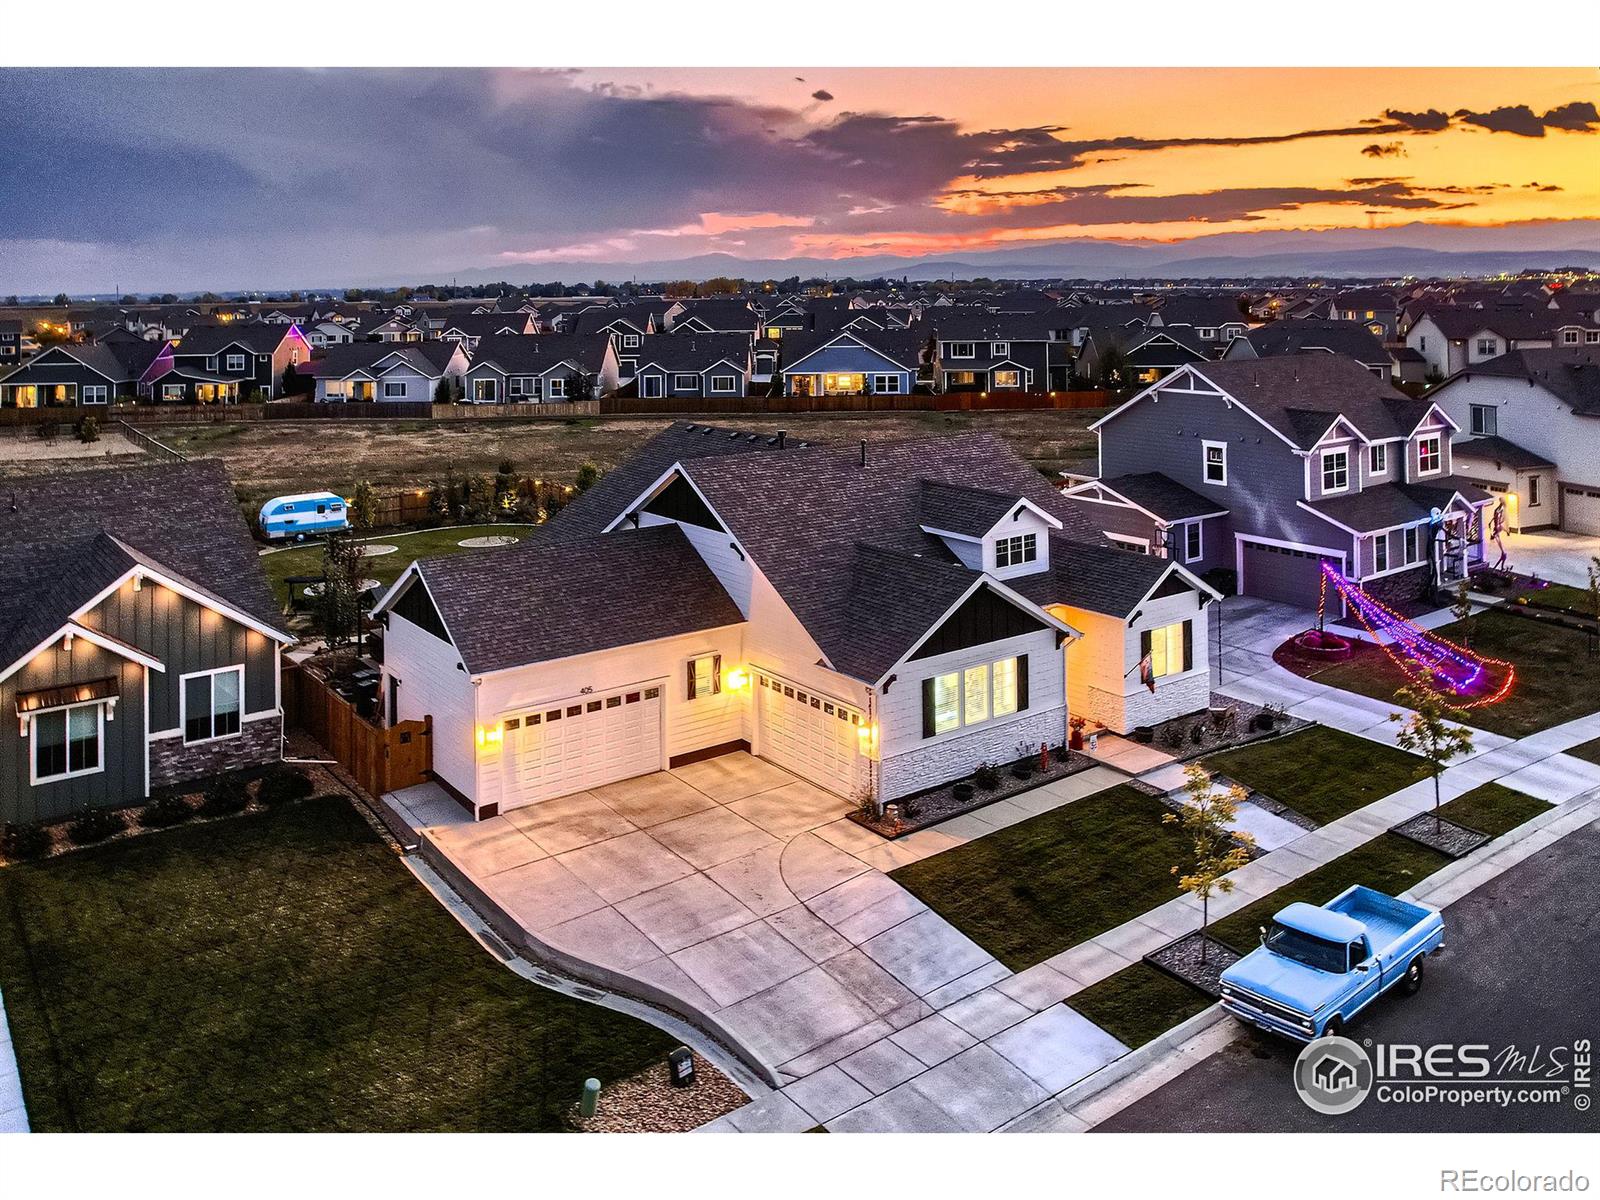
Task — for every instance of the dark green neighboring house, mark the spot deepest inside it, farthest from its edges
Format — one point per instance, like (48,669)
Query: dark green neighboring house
(139,642)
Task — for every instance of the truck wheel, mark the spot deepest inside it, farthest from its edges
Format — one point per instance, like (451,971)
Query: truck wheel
(1334,1027)
(1413,980)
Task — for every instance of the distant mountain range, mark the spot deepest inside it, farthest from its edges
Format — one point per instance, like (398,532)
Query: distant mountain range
(1414,249)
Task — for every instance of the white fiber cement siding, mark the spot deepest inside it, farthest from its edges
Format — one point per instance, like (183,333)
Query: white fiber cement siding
(1103,667)
(1094,667)
(689,724)
(911,762)
(431,685)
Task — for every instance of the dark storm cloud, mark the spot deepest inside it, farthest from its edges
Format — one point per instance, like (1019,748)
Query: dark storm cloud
(1578,117)
(822,94)
(1385,150)
(1432,121)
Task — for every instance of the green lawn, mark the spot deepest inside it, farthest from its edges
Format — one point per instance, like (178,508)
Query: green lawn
(1138,1003)
(385,568)
(1556,679)
(280,971)
(1492,808)
(1321,772)
(1041,886)
(1558,595)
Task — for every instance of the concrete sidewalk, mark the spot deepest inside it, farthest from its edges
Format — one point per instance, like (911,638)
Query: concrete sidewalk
(13,1113)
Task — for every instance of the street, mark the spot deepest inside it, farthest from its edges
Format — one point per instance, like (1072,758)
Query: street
(1519,968)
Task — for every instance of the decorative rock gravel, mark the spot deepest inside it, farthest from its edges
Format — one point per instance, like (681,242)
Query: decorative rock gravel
(1182,958)
(648,1103)
(1450,839)
(941,804)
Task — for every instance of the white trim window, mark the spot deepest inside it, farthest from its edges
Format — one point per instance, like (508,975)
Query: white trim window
(961,350)
(486,390)
(1591,336)
(1413,546)
(1378,460)
(630,341)
(686,383)
(724,383)
(1007,378)
(1016,550)
(1487,347)
(886,384)
(394,389)
(1214,463)
(705,676)
(1430,455)
(172,391)
(211,704)
(999,349)
(1569,337)
(557,389)
(92,393)
(973,695)
(235,362)
(1483,419)
(1193,542)
(1380,552)
(1166,650)
(67,742)
(1335,471)
(517,385)
(652,387)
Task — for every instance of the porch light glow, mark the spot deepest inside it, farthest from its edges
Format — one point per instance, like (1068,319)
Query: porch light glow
(867,734)
(736,680)
(488,735)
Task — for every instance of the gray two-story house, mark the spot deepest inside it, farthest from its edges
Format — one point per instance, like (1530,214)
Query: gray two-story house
(139,643)
(1268,468)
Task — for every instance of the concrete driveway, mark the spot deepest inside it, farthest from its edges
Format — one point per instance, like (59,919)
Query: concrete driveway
(1251,630)
(743,895)
(1562,557)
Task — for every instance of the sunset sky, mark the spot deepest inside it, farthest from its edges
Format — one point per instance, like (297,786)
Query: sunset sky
(318,178)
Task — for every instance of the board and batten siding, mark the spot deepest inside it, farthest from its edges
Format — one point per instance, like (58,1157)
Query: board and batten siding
(187,637)
(121,779)
(432,685)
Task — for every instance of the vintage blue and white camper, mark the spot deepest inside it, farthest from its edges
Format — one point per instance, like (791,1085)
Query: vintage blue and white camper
(308,513)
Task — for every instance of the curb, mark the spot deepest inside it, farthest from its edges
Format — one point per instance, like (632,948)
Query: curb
(515,936)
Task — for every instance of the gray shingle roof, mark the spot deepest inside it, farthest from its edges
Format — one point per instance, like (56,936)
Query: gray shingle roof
(519,353)
(65,541)
(549,598)
(956,508)
(1099,578)
(1165,497)
(1571,374)
(1350,338)
(692,352)
(1391,504)
(1299,395)
(1499,450)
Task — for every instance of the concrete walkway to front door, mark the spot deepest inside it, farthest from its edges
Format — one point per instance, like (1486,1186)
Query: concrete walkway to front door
(744,895)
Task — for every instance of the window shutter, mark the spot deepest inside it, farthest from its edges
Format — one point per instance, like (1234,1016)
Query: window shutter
(1022,682)
(927,708)
(1144,644)
(1188,645)
(716,674)
(690,694)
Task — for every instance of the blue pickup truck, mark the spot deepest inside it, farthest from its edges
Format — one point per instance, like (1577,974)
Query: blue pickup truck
(1316,968)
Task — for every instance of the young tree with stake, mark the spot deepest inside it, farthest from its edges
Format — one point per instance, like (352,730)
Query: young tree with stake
(1207,817)
(1429,731)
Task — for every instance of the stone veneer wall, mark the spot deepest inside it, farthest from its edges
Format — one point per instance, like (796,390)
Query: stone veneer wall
(258,743)
(939,760)
(1403,587)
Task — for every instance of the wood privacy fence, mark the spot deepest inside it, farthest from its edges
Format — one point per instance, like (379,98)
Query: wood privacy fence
(915,402)
(293,410)
(381,759)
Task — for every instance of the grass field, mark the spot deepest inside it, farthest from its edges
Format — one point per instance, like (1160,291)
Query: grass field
(1321,772)
(272,458)
(385,568)
(280,971)
(1556,679)
(1045,884)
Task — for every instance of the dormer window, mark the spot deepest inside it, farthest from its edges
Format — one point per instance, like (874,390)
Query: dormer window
(1014,551)
(1335,470)
(1430,455)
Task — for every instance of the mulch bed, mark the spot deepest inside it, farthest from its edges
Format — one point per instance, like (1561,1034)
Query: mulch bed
(1181,959)
(1177,736)
(1447,837)
(940,804)
(648,1103)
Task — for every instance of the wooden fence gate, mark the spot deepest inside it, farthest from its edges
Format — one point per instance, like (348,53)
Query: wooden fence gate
(381,759)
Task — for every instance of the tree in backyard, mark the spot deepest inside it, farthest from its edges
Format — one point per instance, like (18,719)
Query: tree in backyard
(1113,367)
(588,476)
(1207,817)
(61,300)
(442,394)
(505,487)
(364,506)
(1431,731)
(339,611)
(1461,610)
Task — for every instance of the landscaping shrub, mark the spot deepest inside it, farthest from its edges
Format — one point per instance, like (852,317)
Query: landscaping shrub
(282,784)
(95,825)
(22,843)
(88,429)
(226,794)
(166,810)
(987,776)
(47,431)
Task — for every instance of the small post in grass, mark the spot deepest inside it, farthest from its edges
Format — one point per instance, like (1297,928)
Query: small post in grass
(591,1098)
(1429,731)
(1207,816)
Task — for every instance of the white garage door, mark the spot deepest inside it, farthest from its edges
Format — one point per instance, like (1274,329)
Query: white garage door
(581,742)
(814,736)
(1580,510)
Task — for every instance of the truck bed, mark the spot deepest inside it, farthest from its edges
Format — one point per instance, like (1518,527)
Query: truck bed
(1386,918)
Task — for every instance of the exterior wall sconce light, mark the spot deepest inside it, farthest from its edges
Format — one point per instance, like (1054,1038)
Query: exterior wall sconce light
(488,735)
(736,680)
